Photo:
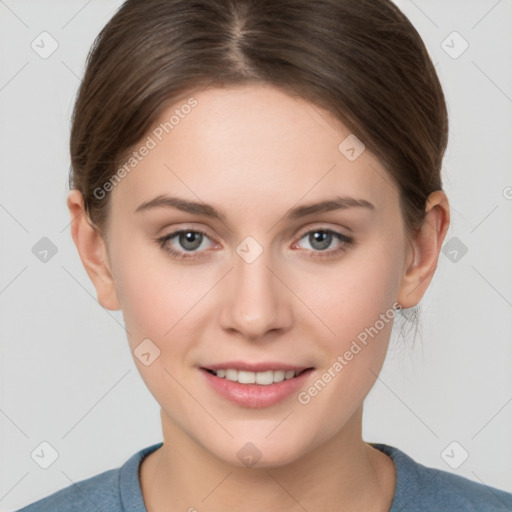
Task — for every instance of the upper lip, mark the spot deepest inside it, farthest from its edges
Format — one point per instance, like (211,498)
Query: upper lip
(255,367)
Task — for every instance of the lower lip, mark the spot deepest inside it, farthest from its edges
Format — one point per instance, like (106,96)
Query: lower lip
(255,395)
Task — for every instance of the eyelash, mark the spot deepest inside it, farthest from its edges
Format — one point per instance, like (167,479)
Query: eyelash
(346,242)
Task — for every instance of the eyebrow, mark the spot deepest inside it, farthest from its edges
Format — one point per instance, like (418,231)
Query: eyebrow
(199,208)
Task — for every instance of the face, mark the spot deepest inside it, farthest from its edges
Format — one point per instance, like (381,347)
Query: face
(264,286)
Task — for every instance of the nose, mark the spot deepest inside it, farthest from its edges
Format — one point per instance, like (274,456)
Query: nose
(256,302)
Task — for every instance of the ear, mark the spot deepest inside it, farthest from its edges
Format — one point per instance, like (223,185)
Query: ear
(92,251)
(424,250)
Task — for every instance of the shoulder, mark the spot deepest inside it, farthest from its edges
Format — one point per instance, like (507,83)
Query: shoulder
(115,490)
(92,494)
(420,488)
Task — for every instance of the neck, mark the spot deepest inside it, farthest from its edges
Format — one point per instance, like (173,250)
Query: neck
(343,471)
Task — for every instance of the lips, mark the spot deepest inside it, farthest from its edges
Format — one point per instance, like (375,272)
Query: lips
(255,384)
(256,367)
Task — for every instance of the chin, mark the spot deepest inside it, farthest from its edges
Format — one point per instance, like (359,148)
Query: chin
(261,453)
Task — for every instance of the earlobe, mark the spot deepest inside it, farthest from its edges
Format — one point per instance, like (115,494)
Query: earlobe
(424,250)
(92,251)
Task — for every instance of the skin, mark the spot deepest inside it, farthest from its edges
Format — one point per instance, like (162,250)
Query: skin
(253,153)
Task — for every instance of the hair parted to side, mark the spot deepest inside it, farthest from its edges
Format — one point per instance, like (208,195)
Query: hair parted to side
(362,60)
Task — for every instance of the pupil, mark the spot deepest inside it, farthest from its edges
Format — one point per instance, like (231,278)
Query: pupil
(323,237)
(188,240)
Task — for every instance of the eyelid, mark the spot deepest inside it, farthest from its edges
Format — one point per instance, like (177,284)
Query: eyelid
(318,226)
(345,242)
(342,238)
(180,255)
(186,229)
(186,226)
(324,227)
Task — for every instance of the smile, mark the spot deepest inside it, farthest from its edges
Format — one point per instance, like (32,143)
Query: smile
(263,378)
(255,385)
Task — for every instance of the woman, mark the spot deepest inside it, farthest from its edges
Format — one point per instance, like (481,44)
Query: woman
(256,185)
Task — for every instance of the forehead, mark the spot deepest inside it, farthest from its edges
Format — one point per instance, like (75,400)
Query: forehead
(250,147)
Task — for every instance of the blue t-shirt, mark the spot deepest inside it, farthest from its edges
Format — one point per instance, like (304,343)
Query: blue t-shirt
(418,489)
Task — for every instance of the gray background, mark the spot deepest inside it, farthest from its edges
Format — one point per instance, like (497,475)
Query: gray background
(67,375)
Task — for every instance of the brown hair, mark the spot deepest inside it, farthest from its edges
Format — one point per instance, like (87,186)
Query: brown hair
(362,60)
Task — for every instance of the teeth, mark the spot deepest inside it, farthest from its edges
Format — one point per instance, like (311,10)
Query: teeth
(231,375)
(263,378)
(279,375)
(246,377)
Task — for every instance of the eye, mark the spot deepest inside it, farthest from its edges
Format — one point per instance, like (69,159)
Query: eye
(190,243)
(183,241)
(321,239)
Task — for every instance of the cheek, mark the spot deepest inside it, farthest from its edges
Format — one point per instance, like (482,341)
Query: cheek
(155,293)
(160,296)
(351,296)
(160,301)
(357,305)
